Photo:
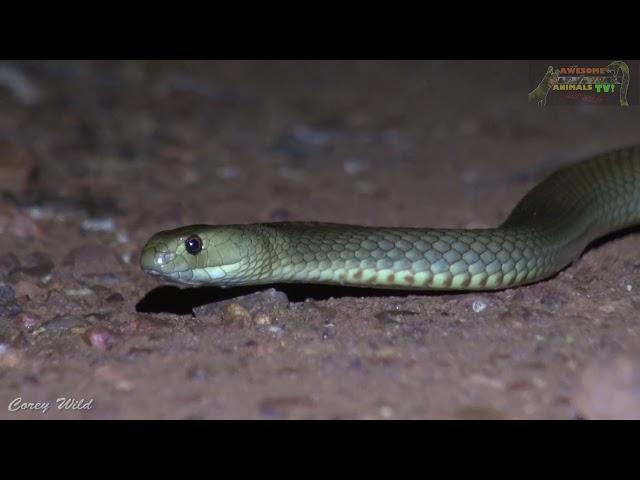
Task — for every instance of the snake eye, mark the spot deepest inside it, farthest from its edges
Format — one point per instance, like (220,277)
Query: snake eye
(193,244)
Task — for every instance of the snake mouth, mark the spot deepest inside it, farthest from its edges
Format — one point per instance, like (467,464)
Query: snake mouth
(167,276)
(157,262)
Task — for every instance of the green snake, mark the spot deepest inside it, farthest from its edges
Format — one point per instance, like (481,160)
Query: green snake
(546,231)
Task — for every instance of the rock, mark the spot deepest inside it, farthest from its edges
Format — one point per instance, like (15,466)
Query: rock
(64,323)
(262,319)
(235,314)
(115,297)
(259,302)
(106,224)
(9,307)
(101,338)
(6,294)
(199,373)
(27,321)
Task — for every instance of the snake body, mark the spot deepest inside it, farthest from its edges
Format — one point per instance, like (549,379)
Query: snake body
(546,231)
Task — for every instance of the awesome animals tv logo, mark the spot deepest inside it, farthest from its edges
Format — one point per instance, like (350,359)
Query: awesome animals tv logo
(571,84)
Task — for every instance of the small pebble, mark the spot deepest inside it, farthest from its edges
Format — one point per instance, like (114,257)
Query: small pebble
(115,297)
(235,314)
(258,302)
(198,373)
(123,237)
(353,167)
(6,294)
(262,319)
(101,338)
(78,292)
(98,225)
(27,321)
(63,323)
(276,330)
(387,354)
(478,306)
(8,305)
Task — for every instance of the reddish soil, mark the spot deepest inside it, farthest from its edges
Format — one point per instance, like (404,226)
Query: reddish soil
(95,157)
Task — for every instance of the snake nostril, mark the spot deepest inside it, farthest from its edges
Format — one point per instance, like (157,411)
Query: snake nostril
(162,258)
(166,258)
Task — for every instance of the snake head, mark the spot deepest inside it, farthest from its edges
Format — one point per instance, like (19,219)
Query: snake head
(193,255)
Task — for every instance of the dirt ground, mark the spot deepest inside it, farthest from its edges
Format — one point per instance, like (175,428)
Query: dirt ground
(95,157)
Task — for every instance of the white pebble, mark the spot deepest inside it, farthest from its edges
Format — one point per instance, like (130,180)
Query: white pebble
(354,167)
(275,330)
(78,292)
(99,224)
(478,306)
(123,237)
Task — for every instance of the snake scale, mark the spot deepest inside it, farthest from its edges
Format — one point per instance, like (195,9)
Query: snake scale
(546,231)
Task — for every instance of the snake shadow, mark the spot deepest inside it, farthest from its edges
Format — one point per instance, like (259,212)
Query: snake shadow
(182,301)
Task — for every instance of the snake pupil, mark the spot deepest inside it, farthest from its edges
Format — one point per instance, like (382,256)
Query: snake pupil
(193,244)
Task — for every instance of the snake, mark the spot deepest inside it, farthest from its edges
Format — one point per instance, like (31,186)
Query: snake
(545,232)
